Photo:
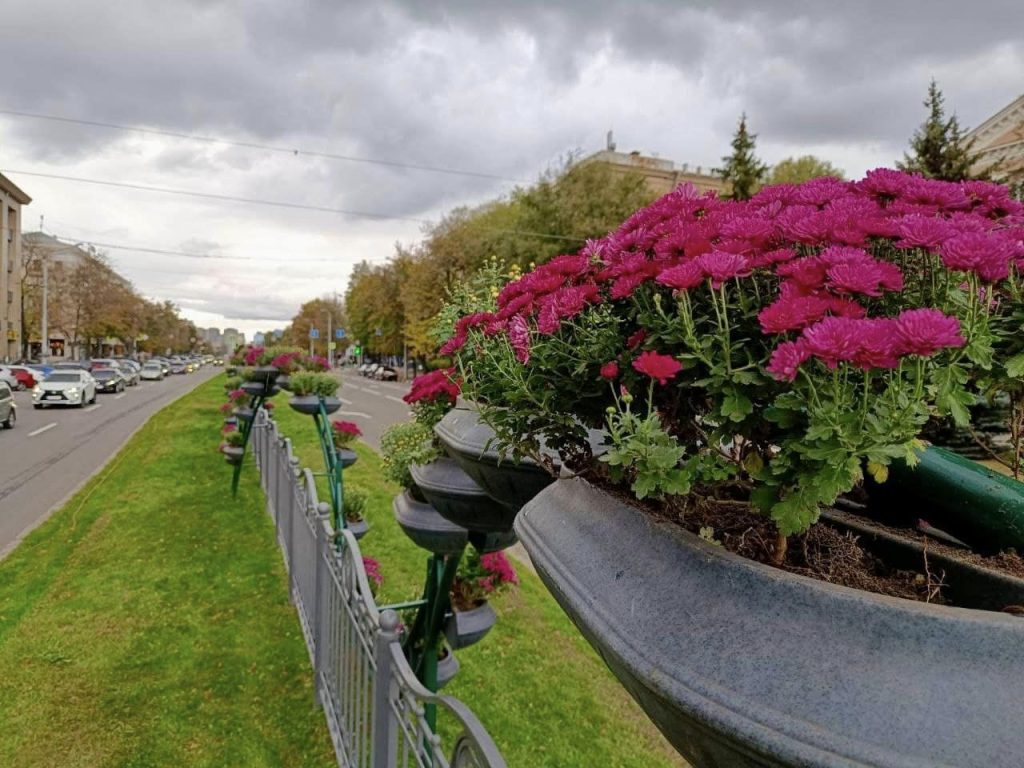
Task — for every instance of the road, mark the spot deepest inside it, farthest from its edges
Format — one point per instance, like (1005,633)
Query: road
(53,451)
(373,405)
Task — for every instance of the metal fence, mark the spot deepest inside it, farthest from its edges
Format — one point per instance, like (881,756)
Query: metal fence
(375,707)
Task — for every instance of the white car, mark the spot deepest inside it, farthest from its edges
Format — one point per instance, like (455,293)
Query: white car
(65,387)
(7,377)
(152,372)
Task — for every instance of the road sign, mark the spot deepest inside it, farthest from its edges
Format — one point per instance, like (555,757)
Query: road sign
(333,346)
(314,333)
(339,333)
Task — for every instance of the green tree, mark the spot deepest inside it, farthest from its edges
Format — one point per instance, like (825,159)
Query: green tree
(795,170)
(939,147)
(313,314)
(742,169)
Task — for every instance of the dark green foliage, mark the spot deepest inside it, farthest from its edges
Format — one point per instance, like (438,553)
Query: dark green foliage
(742,169)
(939,148)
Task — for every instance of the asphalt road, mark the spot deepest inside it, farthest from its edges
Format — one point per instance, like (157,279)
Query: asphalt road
(373,405)
(53,451)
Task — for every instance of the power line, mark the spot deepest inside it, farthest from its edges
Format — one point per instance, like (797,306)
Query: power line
(266,147)
(143,249)
(278,204)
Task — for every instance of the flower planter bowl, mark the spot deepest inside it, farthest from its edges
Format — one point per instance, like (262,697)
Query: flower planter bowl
(426,528)
(259,389)
(283,381)
(245,413)
(233,454)
(347,457)
(359,528)
(466,628)
(265,374)
(468,441)
(740,664)
(231,420)
(458,499)
(447,668)
(310,404)
(231,370)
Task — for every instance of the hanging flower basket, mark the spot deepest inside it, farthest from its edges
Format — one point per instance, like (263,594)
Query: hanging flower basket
(233,454)
(447,669)
(310,404)
(466,628)
(283,381)
(265,374)
(426,528)
(458,499)
(741,664)
(347,457)
(259,389)
(245,413)
(359,528)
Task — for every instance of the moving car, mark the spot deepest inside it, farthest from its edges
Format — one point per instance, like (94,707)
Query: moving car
(385,373)
(8,411)
(109,380)
(152,371)
(65,387)
(25,378)
(178,367)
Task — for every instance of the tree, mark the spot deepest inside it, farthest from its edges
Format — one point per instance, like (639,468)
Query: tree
(939,147)
(742,169)
(795,170)
(313,314)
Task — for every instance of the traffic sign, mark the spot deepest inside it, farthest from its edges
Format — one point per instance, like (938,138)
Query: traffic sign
(339,333)
(332,346)
(314,333)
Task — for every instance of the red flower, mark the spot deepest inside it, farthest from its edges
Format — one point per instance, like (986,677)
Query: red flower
(636,339)
(657,366)
(610,370)
(432,387)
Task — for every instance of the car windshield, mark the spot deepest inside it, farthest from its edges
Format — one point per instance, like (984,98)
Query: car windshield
(63,378)
(152,366)
(103,374)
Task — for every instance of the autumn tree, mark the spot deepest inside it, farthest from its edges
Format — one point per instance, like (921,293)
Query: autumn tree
(741,169)
(940,149)
(313,314)
(796,170)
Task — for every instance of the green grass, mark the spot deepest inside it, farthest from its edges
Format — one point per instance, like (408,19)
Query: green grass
(147,623)
(539,689)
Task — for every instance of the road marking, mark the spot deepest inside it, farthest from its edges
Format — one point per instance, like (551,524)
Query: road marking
(40,431)
(92,408)
(118,397)
(344,401)
(355,413)
(396,399)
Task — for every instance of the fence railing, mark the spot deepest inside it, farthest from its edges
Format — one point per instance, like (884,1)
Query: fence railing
(375,707)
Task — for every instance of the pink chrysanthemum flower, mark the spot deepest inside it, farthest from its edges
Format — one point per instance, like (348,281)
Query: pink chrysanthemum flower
(683,277)
(790,314)
(986,254)
(610,370)
(519,338)
(659,367)
(787,358)
(833,340)
(925,331)
(720,266)
(877,344)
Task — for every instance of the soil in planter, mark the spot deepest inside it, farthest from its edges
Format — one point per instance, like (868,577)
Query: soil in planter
(823,552)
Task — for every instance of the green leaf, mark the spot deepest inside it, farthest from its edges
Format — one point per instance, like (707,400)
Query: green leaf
(1015,366)
(736,406)
(784,417)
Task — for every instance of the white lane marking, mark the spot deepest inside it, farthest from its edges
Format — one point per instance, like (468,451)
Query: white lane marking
(396,399)
(344,401)
(118,397)
(40,431)
(92,408)
(355,413)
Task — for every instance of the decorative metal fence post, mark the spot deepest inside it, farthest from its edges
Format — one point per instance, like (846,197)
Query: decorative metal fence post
(385,728)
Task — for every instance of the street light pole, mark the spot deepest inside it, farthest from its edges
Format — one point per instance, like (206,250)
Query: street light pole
(44,349)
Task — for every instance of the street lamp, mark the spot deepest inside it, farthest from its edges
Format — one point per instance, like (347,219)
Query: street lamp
(330,336)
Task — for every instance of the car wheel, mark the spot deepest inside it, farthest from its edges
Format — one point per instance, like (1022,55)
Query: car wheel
(12,417)
(81,402)
(37,406)
(93,398)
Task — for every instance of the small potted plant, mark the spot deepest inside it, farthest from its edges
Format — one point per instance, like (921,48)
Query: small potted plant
(232,383)
(237,405)
(286,363)
(232,445)
(228,410)
(309,389)
(479,577)
(447,666)
(345,433)
(353,506)
(373,574)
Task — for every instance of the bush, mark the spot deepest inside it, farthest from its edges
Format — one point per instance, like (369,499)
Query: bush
(403,445)
(354,501)
(307,383)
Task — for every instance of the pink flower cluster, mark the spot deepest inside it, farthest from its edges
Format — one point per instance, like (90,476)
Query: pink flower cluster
(868,343)
(499,571)
(253,355)
(436,386)
(235,395)
(286,361)
(373,571)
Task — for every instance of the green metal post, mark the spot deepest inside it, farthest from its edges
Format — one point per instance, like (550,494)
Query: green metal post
(332,465)
(255,403)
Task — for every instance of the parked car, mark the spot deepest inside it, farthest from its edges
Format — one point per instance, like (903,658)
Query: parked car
(65,387)
(72,365)
(385,373)
(42,370)
(27,378)
(152,371)
(109,380)
(129,372)
(7,377)
(178,367)
(8,410)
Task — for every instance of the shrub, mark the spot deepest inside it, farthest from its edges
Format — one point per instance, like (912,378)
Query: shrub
(234,438)
(479,577)
(354,501)
(403,445)
(308,383)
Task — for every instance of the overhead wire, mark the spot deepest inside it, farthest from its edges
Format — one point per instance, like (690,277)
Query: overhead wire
(265,147)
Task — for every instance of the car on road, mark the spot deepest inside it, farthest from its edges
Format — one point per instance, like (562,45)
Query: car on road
(165,364)
(152,371)
(8,410)
(178,367)
(24,378)
(65,387)
(7,377)
(109,380)
(385,373)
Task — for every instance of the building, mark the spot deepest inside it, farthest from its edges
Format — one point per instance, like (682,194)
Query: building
(233,338)
(662,176)
(999,141)
(11,200)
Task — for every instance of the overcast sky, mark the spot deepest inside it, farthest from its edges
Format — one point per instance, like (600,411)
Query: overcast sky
(496,89)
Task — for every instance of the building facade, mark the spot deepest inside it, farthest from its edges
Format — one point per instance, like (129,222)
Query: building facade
(999,142)
(11,200)
(661,176)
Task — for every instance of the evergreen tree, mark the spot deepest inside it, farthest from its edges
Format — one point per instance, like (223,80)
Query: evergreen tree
(742,169)
(940,149)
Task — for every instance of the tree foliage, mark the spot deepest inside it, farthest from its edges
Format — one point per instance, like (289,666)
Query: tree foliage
(742,169)
(313,314)
(796,170)
(939,147)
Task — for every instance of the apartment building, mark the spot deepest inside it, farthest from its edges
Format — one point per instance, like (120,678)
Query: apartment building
(11,200)
(661,176)
(999,142)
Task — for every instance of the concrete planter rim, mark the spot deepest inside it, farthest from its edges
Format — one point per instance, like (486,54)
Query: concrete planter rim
(771,732)
(309,405)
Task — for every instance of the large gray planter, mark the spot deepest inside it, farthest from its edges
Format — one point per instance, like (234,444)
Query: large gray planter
(741,665)
(466,628)
(347,457)
(245,413)
(310,404)
(427,529)
(458,498)
(259,389)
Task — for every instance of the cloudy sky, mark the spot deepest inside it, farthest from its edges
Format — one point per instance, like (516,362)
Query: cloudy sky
(489,92)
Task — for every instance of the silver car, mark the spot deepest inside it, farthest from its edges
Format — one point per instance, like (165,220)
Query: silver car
(8,411)
(65,387)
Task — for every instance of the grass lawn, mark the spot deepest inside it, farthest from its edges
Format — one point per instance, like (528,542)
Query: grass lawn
(544,695)
(147,622)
